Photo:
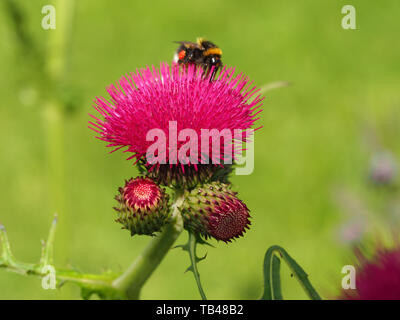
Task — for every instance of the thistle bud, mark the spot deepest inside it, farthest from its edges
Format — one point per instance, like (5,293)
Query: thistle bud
(213,210)
(143,206)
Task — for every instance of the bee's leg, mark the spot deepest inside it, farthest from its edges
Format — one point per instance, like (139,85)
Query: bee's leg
(205,68)
(213,73)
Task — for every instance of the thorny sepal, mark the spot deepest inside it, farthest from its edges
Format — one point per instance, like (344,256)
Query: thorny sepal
(185,176)
(190,247)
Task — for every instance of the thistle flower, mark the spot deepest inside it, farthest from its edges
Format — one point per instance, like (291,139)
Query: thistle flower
(213,210)
(181,98)
(143,206)
(377,278)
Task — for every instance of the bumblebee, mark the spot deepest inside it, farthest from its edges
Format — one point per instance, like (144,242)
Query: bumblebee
(202,53)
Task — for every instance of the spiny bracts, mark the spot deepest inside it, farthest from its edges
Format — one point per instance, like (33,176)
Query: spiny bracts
(213,210)
(143,206)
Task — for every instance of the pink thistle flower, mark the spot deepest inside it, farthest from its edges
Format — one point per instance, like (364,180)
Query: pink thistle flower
(152,98)
(141,193)
(377,278)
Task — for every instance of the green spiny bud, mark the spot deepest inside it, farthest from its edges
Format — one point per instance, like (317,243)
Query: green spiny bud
(143,206)
(213,210)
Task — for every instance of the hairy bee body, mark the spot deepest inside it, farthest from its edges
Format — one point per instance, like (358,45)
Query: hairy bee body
(202,53)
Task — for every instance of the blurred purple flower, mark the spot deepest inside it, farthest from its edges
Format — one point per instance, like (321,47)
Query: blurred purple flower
(377,278)
(383,168)
(352,231)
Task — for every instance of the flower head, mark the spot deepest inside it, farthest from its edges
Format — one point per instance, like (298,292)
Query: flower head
(213,210)
(143,206)
(173,99)
(377,278)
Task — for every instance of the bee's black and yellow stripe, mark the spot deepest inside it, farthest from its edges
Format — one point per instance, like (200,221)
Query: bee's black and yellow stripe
(202,53)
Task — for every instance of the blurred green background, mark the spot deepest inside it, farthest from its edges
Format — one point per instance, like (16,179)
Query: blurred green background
(311,146)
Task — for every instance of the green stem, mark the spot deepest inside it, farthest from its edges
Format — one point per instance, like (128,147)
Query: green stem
(298,272)
(101,284)
(54,133)
(274,85)
(276,279)
(108,285)
(49,67)
(54,112)
(59,39)
(19,24)
(98,281)
(133,279)
(193,259)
